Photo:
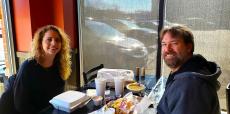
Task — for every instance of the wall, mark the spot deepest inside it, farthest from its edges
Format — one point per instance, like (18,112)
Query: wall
(29,15)
(22,24)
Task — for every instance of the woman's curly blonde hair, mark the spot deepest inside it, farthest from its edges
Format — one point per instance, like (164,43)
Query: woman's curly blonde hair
(63,57)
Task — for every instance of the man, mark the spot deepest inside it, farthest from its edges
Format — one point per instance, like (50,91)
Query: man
(192,85)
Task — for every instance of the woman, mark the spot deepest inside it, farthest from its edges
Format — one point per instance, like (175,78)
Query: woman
(42,76)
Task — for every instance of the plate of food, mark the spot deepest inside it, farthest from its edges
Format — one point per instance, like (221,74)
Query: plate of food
(135,87)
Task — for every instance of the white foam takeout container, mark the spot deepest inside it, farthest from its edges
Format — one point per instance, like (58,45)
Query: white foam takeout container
(109,74)
(69,100)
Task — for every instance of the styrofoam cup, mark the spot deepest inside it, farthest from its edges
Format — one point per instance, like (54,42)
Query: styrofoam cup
(100,86)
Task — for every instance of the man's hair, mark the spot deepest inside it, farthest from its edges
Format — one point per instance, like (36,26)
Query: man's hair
(179,31)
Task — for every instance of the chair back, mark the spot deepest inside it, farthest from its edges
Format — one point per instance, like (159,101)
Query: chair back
(227,98)
(7,98)
(91,74)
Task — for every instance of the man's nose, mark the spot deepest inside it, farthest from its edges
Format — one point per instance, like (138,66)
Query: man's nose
(167,48)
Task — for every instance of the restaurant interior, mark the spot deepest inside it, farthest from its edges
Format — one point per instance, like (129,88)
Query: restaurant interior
(116,34)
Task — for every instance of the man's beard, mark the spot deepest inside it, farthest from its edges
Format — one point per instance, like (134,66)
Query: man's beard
(174,61)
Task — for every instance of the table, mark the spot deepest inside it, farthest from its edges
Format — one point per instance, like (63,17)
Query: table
(149,82)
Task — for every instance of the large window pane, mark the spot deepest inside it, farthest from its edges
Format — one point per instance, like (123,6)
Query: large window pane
(119,33)
(209,21)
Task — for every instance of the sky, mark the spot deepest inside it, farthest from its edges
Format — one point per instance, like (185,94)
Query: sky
(122,5)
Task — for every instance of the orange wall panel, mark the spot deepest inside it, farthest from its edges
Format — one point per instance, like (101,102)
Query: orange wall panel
(21,14)
(58,13)
(29,15)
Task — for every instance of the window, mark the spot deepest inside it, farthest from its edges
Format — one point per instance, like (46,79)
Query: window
(209,21)
(119,34)
(123,33)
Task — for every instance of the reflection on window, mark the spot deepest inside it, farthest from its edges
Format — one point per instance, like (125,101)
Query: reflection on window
(119,33)
(211,28)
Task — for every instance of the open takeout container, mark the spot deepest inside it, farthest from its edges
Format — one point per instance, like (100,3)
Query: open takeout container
(135,87)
